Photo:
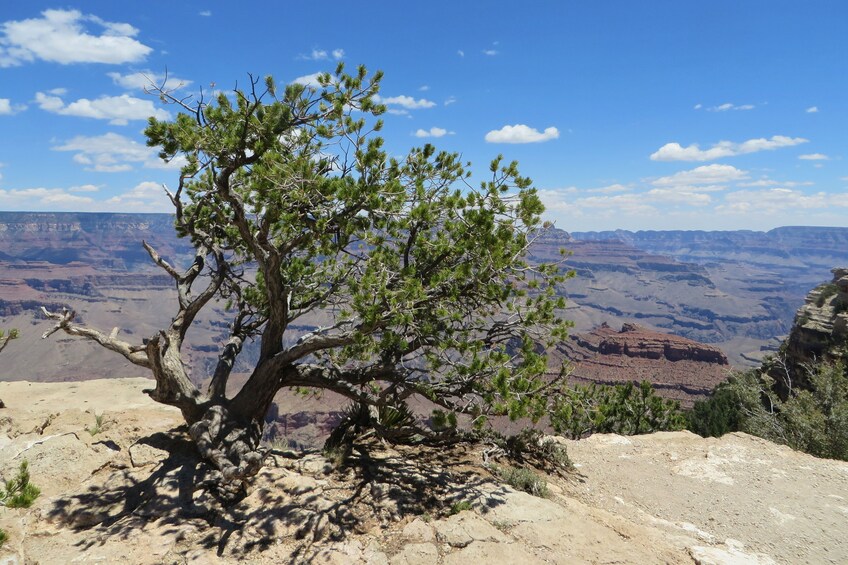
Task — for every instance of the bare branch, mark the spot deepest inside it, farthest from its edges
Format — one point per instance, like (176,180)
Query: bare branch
(160,261)
(133,353)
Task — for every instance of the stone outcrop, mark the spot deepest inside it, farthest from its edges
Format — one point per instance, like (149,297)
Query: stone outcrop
(821,324)
(679,368)
(820,330)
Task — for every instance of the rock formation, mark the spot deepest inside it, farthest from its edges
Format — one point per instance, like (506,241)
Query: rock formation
(758,281)
(678,368)
(819,333)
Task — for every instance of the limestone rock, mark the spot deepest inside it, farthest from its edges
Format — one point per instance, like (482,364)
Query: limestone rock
(143,454)
(466,527)
(416,554)
(418,531)
(820,329)
(663,498)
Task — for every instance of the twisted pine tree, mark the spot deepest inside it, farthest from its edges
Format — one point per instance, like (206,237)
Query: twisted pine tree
(293,207)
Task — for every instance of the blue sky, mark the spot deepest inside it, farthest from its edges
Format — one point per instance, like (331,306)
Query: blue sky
(634,115)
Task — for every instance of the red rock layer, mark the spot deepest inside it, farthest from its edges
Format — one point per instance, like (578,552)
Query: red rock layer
(679,368)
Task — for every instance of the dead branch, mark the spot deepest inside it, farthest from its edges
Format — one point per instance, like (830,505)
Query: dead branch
(133,353)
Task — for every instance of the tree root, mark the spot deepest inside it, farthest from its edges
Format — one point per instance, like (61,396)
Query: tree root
(231,447)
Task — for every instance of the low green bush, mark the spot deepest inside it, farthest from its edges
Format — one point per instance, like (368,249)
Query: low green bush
(18,492)
(98,425)
(626,409)
(458,507)
(813,420)
(826,292)
(521,478)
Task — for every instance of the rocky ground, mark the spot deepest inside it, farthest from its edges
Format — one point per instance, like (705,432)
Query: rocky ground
(124,495)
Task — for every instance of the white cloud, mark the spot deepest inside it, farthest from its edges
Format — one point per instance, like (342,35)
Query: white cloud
(728,106)
(611,189)
(144,197)
(113,153)
(432,132)
(698,106)
(812,109)
(146,79)
(814,157)
(704,175)
(625,207)
(760,183)
(205,13)
(50,197)
(119,110)
(322,55)
(8,109)
(676,196)
(676,152)
(309,80)
(460,52)
(490,52)
(778,200)
(406,102)
(84,188)
(764,182)
(423,88)
(519,133)
(59,36)
(616,204)
(315,55)
(450,100)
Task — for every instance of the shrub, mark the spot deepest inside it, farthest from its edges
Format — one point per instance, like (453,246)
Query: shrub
(626,409)
(98,425)
(6,337)
(814,421)
(458,507)
(529,446)
(18,492)
(826,292)
(3,537)
(719,414)
(523,479)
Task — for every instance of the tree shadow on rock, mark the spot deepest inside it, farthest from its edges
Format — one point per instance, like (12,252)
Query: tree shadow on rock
(126,500)
(301,501)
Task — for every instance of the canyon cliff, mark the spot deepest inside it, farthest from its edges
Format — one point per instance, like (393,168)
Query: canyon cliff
(677,367)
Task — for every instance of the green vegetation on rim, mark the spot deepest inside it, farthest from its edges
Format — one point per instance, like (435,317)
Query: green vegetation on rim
(18,492)
(814,421)
(627,409)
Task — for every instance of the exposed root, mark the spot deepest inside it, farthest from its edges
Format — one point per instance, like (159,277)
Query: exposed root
(231,447)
